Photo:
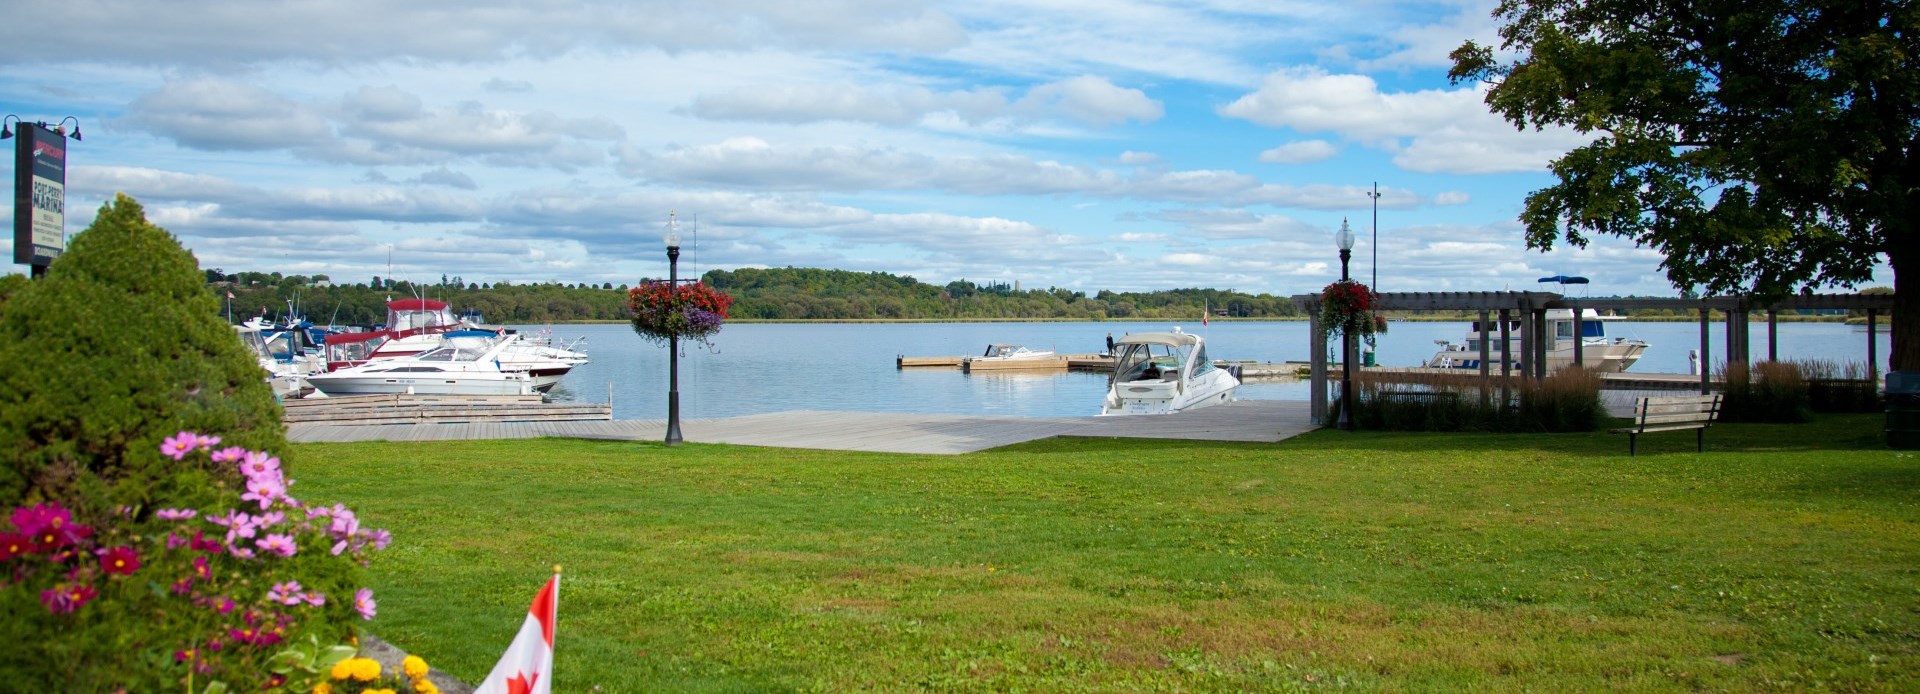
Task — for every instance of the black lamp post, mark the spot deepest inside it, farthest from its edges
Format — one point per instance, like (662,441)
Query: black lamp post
(672,237)
(1344,239)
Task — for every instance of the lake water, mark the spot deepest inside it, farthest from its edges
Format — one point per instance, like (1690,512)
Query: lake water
(758,368)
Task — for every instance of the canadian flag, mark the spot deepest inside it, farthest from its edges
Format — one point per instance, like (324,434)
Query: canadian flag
(527,666)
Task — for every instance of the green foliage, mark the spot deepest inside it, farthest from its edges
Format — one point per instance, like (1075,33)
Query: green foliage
(1567,400)
(759,294)
(1764,147)
(118,347)
(1781,559)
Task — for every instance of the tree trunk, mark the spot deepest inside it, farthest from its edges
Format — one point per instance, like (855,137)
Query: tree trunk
(1905,354)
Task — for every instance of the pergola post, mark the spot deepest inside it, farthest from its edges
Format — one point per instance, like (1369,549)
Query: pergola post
(1706,362)
(1873,345)
(1542,339)
(1486,351)
(1506,359)
(1579,339)
(1527,338)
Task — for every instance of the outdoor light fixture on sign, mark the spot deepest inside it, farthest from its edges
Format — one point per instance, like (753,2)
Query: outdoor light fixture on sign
(39,190)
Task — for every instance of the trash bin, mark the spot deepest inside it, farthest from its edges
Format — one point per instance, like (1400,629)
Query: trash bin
(1903,410)
(1366,358)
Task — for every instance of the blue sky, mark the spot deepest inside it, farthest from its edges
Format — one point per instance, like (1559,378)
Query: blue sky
(1121,145)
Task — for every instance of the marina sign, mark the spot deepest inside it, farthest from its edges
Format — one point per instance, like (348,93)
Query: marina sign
(39,195)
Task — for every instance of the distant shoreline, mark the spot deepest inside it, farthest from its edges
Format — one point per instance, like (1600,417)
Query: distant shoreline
(1761,319)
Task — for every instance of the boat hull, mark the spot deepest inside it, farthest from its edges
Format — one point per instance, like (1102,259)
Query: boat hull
(1605,357)
(334,384)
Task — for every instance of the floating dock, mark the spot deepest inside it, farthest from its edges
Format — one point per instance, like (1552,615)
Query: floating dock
(437,409)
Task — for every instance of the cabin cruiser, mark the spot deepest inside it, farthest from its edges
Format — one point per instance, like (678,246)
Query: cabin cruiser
(280,356)
(448,370)
(1162,373)
(1598,351)
(1012,353)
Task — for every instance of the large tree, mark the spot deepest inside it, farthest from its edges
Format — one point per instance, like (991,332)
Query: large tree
(1765,146)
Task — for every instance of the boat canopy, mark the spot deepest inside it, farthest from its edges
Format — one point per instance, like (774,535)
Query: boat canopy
(416,305)
(1167,339)
(353,338)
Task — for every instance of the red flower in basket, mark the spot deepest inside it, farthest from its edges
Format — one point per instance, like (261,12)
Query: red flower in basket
(1348,306)
(663,311)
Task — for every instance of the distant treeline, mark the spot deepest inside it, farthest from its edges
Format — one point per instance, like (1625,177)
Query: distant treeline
(770,294)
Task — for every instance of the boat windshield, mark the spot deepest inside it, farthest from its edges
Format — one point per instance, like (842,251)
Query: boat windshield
(1148,362)
(451,354)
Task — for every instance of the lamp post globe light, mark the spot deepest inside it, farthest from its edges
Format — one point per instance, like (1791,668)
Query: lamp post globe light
(1344,239)
(672,239)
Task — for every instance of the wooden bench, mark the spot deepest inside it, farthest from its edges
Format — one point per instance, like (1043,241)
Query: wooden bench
(1694,412)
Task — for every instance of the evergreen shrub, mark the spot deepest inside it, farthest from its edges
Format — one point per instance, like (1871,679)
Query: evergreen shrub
(137,557)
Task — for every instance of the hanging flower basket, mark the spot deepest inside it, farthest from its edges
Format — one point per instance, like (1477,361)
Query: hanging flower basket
(690,311)
(1348,306)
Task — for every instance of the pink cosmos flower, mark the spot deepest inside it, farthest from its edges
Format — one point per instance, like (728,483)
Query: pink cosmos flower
(30,520)
(175,514)
(280,544)
(285,593)
(65,598)
(59,532)
(122,560)
(259,464)
(230,454)
(14,545)
(183,586)
(207,442)
(174,541)
(201,569)
(241,552)
(224,606)
(315,598)
(363,603)
(381,538)
(264,489)
(179,445)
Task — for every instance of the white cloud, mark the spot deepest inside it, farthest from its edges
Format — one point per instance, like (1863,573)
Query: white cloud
(1089,101)
(214,114)
(1300,152)
(1132,158)
(1433,130)
(1452,197)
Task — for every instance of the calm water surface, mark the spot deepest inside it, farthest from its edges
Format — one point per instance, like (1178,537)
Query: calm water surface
(758,368)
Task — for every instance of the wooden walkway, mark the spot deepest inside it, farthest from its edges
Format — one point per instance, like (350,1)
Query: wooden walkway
(1246,420)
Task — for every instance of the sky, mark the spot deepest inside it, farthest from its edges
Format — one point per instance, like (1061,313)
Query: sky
(1109,144)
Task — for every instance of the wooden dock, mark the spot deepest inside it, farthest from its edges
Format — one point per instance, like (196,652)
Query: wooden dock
(1060,362)
(351,410)
(1245,420)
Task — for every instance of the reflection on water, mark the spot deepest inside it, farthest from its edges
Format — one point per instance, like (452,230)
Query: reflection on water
(850,366)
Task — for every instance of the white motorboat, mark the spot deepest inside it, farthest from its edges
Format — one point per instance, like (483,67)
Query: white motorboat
(1163,373)
(534,356)
(1598,351)
(449,370)
(1012,353)
(278,353)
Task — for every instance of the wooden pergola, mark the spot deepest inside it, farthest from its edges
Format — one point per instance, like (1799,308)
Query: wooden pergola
(1530,308)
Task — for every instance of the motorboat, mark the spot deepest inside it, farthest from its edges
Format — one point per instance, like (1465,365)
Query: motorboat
(1163,373)
(279,355)
(536,356)
(447,370)
(1006,357)
(1598,350)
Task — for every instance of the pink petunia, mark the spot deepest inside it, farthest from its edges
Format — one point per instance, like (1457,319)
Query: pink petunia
(179,445)
(363,603)
(175,514)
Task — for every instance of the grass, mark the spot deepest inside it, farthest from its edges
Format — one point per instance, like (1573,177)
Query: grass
(1787,557)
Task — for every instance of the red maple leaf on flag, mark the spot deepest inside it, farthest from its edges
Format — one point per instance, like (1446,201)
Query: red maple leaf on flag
(521,684)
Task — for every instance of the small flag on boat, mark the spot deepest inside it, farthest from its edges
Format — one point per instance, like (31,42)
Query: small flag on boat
(1206,311)
(527,666)
(229,295)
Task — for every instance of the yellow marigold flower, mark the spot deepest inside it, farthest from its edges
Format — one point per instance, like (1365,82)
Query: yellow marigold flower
(366,669)
(380,691)
(323,688)
(342,669)
(425,686)
(414,666)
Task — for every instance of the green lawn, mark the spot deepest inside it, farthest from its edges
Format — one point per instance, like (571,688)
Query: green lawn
(1787,557)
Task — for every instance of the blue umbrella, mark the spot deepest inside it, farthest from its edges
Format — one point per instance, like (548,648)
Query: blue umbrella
(1564,279)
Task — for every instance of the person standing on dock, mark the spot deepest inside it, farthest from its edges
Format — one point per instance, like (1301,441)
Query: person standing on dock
(1693,362)
(1109,343)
